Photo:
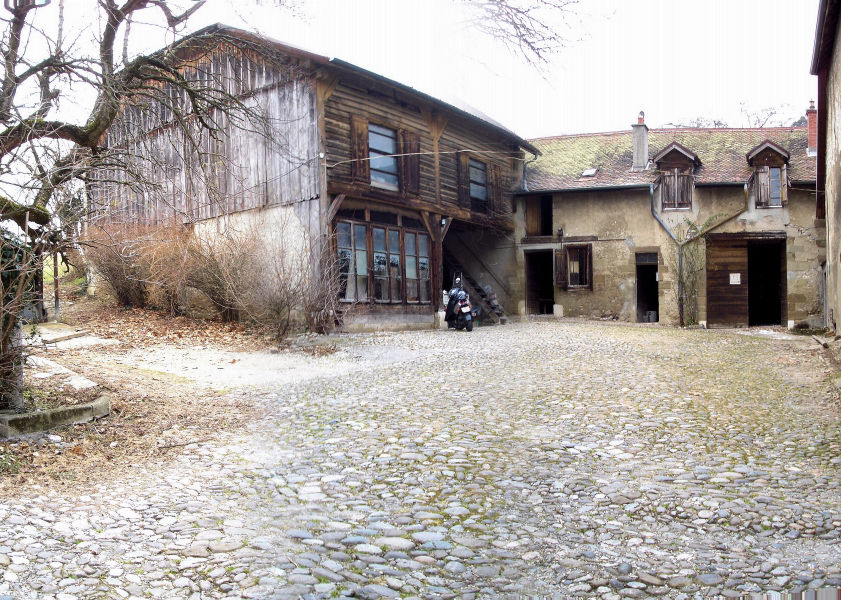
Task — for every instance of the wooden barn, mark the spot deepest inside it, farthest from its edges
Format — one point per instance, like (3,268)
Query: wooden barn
(410,190)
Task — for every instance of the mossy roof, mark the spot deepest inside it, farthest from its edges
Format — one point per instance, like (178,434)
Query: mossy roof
(722,152)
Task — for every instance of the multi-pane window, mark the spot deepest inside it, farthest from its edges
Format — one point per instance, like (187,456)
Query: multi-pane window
(478,186)
(578,261)
(769,186)
(353,260)
(776,189)
(382,148)
(398,273)
(386,270)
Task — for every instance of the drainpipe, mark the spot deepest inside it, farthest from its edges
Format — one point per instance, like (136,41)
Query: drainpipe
(679,254)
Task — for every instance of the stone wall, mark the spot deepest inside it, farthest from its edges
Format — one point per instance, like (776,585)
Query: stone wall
(833,183)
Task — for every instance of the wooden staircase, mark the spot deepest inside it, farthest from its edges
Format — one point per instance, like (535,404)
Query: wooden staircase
(490,308)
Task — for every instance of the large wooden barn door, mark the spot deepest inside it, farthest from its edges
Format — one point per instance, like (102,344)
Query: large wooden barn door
(727,283)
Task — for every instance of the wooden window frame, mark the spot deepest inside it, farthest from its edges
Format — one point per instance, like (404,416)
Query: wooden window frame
(761,181)
(370,297)
(676,189)
(477,203)
(562,267)
(392,134)
(406,156)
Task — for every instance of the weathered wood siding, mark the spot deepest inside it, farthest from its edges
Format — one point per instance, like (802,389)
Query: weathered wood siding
(264,155)
(727,303)
(382,105)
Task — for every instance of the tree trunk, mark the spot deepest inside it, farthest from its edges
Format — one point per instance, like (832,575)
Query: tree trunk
(11,372)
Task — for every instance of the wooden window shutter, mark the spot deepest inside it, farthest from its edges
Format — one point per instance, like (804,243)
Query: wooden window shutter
(463,168)
(784,185)
(409,162)
(532,216)
(495,196)
(590,266)
(667,189)
(762,181)
(685,190)
(561,279)
(360,165)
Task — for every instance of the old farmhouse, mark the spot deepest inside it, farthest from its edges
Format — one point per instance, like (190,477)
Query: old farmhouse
(412,189)
(409,190)
(606,222)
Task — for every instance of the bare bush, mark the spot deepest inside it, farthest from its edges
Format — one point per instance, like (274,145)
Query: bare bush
(320,297)
(224,268)
(117,257)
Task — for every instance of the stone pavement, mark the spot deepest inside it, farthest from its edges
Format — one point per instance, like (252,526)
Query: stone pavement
(554,458)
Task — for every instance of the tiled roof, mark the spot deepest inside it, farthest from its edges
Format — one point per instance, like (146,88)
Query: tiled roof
(722,152)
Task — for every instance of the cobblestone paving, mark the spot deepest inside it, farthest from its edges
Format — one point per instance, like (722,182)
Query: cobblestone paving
(574,459)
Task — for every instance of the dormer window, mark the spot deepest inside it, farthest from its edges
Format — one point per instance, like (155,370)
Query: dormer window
(676,164)
(768,181)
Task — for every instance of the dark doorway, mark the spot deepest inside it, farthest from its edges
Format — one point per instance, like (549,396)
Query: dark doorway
(648,299)
(540,289)
(766,269)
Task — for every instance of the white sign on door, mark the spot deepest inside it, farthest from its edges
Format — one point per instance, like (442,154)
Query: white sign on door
(735,278)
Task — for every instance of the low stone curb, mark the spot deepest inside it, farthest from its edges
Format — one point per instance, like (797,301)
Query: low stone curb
(13,425)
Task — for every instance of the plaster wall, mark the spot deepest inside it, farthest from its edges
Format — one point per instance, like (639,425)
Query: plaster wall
(622,225)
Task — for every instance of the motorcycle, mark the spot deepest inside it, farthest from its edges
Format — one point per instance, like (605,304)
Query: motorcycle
(464,312)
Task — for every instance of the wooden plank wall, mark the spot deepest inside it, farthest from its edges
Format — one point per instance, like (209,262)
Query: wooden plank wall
(194,174)
(381,105)
(727,304)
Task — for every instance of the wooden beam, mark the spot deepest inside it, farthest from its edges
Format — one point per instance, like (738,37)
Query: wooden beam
(434,232)
(334,208)
(446,226)
(436,123)
(327,86)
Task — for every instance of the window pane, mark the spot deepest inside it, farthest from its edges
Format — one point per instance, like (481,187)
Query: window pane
(379,264)
(382,140)
(393,240)
(343,234)
(386,178)
(359,237)
(423,245)
(379,239)
(387,164)
(380,277)
(394,277)
(478,175)
(410,244)
(411,290)
(478,191)
(411,268)
(776,187)
(361,262)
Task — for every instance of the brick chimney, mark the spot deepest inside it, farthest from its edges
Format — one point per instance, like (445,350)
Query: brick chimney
(812,120)
(640,142)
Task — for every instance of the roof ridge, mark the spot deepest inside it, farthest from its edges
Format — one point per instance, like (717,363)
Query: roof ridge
(668,130)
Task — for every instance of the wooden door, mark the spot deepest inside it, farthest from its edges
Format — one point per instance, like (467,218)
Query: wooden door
(727,283)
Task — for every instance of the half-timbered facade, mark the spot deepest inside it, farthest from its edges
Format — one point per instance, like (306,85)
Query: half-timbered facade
(606,222)
(409,190)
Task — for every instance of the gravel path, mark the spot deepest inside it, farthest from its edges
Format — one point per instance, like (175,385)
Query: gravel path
(577,459)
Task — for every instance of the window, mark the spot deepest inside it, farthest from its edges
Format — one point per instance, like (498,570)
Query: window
(574,266)
(382,146)
(384,158)
(676,189)
(478,186)
(769,186)
(353,260)
(386,270)
(398,273)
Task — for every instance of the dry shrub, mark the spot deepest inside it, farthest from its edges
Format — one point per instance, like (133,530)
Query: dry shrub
(117,255)
(224,268)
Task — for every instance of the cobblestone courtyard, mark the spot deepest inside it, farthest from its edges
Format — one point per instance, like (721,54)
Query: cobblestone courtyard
(577,459)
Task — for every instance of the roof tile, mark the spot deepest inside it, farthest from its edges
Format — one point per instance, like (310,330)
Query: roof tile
(722,153)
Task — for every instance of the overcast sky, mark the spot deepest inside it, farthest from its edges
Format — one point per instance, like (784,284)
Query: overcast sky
(675,59)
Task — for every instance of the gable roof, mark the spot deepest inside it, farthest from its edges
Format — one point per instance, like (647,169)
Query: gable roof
(721,151)
(259,42)
(676,147)
(767,145)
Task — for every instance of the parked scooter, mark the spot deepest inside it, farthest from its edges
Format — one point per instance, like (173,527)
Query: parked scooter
(464,312)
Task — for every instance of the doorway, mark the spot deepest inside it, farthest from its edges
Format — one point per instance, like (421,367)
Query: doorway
(540,287)
(648,296)
(766,269)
